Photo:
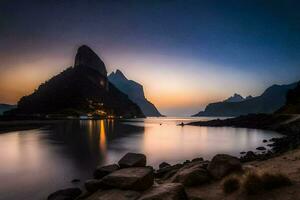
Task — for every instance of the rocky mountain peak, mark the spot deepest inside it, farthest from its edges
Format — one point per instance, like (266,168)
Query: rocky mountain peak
(87,57)
(120,75)
(235,98)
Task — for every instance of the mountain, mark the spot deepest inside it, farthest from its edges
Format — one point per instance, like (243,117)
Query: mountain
(235,98)
(134,91)
(6,107)
(292,105)
(79,90)
(271,100)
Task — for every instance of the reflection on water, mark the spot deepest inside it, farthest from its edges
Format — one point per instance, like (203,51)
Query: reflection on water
(37,162)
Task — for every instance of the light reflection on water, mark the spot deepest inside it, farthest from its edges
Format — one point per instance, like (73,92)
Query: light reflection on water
(37,162)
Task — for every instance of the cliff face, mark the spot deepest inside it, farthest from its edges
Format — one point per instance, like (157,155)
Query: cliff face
(271,100)
(134,91)
(87,57)
(82,89)
(292,105)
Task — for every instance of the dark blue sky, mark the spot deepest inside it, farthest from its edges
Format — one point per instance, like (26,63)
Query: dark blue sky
(232,46)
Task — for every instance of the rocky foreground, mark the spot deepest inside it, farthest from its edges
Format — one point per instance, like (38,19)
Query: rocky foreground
(197,179)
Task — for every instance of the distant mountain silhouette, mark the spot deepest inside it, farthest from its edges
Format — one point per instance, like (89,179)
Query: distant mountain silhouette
(271,100)
(79,90)
(235,98)
(134,91)
(292,105)
(6,107)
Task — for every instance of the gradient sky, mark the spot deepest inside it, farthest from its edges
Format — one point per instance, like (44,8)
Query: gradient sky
(185,53)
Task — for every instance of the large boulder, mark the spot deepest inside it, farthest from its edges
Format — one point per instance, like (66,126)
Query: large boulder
(191,175)
(167,191)
(132,160)
(102,171)
(222,165)
(135,178)
(115,194)
(65,194)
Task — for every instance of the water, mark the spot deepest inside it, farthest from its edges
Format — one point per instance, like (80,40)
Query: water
(37,162)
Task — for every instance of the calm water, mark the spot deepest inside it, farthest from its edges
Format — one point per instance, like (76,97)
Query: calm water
(37,162)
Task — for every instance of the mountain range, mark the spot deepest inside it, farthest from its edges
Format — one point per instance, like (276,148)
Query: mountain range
(135,92)
(269,101)
(82,89)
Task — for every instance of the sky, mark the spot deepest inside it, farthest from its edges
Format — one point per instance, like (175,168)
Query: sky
(186,54)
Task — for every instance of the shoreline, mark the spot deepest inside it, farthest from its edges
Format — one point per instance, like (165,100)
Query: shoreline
(287,125)
(22,125)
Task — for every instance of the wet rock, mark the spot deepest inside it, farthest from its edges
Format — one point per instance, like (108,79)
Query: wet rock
(250,156)
(65,194)
(105,170)
(222,165)
(135,178)
(92,185)
(167,191)
(261,148)
(115,194)
(163,165)
(132,160)
(191,175)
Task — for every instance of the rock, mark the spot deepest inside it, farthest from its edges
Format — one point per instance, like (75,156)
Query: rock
(132,160)
(105,170)
(87,57)
(163,165)
(65,194)
(197,159)
(135,178)
(92,185)
(243,152)
(264,141)
(167,191)
(186,162)
(250,156)
(163,171)
(191,175)
(222,165)
(75,180)
(115,194)
(261,148)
